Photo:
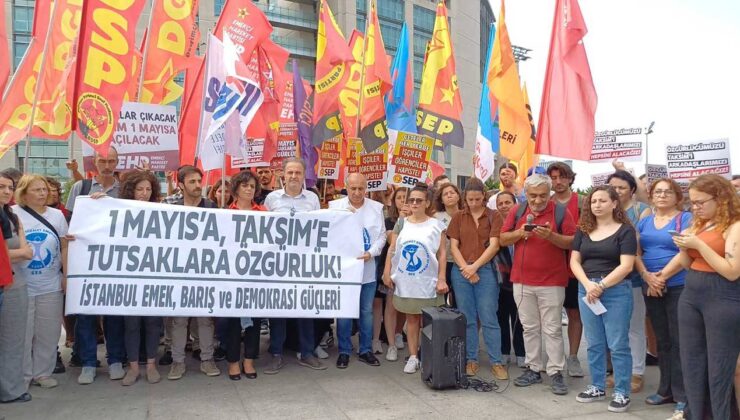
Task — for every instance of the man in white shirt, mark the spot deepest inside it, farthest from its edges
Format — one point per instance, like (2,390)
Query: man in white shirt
(292,199)
(373,237)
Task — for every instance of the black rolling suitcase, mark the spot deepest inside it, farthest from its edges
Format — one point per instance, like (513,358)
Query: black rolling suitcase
(443,348)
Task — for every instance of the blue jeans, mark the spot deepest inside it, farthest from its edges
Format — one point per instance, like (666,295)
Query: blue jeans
(305,336)
(344,325)
(609,329)
(479,301)
(86,339)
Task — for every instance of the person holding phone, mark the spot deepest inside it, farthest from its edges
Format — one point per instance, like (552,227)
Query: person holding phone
(662,293)
(603,255)
(709,307)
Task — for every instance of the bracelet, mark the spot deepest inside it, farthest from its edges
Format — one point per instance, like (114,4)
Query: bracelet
(601,286)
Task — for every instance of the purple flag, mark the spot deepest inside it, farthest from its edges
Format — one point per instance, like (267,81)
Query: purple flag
(303,114)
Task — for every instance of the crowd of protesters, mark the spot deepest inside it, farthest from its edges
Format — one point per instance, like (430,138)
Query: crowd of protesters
(644,272)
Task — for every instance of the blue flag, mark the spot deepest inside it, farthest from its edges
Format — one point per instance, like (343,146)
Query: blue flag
(399,103)
(487,136)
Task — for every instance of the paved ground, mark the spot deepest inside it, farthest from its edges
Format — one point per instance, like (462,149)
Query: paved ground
(359,392)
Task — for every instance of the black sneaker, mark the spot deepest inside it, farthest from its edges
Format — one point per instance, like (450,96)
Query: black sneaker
(343,361)
(369,358)
(620,403)
(75,361)
(166,359)
(529,377)
(557,384)
(591,394)
(59,368)
(196,354)
(219,354)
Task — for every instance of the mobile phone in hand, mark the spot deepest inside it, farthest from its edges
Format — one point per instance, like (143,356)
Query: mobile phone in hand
(674,233)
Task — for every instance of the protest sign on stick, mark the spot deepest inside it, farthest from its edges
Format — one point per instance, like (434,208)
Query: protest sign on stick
(139,258)
(411,155)
(623,144)
(145,134)
(688,160)
(330,158)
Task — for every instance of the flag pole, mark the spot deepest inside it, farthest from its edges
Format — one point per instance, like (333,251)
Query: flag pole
(362,72)
(38,89)
(145,52)
(203,68)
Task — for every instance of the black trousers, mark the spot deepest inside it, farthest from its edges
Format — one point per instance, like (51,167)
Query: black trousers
(508,320)
(663,313)
(709,336)
(234,338)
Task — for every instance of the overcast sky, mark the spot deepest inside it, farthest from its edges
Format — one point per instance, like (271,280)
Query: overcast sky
(675,62)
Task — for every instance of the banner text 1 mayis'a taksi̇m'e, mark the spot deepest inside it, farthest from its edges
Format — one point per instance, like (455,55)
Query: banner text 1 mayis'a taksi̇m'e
(138,258)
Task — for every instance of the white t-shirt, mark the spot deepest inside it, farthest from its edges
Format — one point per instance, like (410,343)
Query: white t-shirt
(43,272)
(414,267)
(373,231)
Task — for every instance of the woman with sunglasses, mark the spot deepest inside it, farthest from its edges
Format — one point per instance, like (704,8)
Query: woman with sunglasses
(709,307)
(416,267)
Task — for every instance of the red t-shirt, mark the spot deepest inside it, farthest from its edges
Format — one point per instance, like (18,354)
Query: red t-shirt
(6,271)
(537,261)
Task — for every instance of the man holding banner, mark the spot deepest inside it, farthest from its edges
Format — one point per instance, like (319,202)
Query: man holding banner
(292,199)
(189,180)
(373,239)
(86,340)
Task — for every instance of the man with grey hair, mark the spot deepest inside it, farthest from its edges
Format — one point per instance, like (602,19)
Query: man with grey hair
(541,231)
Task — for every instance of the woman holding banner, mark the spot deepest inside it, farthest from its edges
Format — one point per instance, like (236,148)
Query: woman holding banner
(14,310)
(244,188)
(416,269)
(142,186)
(45,231)
(709,307)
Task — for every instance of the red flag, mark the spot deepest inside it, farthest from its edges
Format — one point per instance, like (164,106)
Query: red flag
(375,84)
(566,124)
(170,49)
(103,68)
(53,116)
(4,54)
(332,69)
(349,97)
(439,114)
(16,109)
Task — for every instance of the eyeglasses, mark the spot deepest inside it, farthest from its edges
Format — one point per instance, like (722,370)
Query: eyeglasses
(664,192)
(701,202)
(415,200)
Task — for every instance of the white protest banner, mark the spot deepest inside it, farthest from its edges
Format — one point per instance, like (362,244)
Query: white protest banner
(686,161)
(252,152)
(600,179)
(623,143)
(410,160)
(139,258)
(145,134)
(655,172)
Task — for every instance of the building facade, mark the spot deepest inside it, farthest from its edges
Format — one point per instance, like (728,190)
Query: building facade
(295,25)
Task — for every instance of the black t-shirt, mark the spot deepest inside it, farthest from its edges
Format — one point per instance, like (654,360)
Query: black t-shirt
(599,258)
(380,266)
(260,199)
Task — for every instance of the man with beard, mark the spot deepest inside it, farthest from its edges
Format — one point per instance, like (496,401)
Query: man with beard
(189,180)
(264,176)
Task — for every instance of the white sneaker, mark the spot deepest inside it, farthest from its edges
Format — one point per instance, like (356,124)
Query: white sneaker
(399,342)
(412,365)
(392,354)
(87,376)
(320,353)
(324,340)
(377,347)
(116,372)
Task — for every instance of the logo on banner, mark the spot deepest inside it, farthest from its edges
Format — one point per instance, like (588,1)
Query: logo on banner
(39,260)
(95,118)
(416,256)
(365,239)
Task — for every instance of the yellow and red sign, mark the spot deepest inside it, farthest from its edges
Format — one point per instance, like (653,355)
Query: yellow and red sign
(104,70)
(410,160)
(171,49)
(330,158)
(374,165)
(16,110)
